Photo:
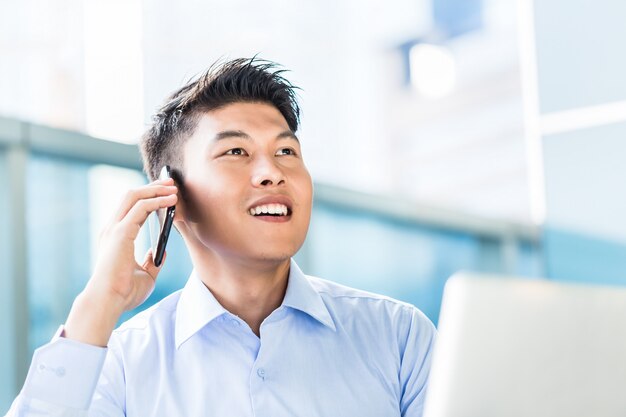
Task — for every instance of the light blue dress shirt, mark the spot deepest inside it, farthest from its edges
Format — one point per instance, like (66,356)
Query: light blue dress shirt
(328,350)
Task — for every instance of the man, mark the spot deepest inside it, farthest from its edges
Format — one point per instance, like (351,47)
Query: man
(250,334)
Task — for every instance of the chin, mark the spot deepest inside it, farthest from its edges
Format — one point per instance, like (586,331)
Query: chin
(273,256)
(270,256)
(267,249)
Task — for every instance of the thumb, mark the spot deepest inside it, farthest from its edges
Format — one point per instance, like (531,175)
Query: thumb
(148,264)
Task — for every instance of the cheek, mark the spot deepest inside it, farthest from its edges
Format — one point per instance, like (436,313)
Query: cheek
(219,203)
(306,184)
(304,192)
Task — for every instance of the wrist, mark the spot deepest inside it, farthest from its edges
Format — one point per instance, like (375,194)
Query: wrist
(92,318)
(102,298)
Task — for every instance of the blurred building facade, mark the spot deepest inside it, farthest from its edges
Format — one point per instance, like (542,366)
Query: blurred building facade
(576,118)
(374,119)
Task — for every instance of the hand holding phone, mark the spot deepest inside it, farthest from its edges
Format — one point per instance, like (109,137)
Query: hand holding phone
(119,283)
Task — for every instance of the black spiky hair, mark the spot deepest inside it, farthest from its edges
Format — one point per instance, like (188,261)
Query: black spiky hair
(238,80)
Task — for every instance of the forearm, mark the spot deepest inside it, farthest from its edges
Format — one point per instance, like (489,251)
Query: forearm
(92,318)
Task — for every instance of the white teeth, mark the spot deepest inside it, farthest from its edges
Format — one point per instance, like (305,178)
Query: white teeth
(269,209)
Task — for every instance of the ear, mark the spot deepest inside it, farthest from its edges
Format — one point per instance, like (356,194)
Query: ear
(184,224)
(180,215)
(181,207)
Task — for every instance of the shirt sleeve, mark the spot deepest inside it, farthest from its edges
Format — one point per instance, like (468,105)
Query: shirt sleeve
(61,381)
(415,365)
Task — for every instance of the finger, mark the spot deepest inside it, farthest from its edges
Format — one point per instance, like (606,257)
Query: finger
(139,213)
(148,191)
(156,188)
(148,264)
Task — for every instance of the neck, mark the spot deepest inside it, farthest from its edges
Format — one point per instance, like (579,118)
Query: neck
(248,289)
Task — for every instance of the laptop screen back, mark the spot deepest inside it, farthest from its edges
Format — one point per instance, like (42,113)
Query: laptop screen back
(524,347)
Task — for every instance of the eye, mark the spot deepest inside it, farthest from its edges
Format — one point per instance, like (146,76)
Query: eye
(287,151)
(235,151)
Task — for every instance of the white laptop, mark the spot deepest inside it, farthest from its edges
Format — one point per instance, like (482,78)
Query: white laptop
(511,347)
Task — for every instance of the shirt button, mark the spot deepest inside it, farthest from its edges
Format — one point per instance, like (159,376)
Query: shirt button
(261,373)
(235,322)
(60,371)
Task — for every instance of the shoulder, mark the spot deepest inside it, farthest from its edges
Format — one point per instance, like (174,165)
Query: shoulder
(342,295)
(348,304)
(386,331)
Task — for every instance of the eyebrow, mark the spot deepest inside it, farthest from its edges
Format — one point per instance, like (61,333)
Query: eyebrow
(228,134)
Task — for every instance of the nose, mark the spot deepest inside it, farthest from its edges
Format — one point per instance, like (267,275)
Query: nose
(266,173)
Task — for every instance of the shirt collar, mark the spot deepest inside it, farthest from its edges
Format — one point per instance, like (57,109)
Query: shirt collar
(301,295)
(195,309)
(197,306)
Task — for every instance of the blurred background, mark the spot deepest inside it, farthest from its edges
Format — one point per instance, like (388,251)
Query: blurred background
(442,135)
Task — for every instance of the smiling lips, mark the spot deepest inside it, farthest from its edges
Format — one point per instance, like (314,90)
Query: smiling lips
(271,209)
(276,213)
(276,208)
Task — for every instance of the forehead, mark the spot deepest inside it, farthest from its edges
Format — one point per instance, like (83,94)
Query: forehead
(249,117)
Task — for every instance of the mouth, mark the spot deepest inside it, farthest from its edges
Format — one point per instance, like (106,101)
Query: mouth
(270,210)
(274,212)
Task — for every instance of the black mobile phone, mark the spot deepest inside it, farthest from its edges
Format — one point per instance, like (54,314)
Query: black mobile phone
(165,218)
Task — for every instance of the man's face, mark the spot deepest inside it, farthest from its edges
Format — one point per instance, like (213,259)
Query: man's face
(242,158)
